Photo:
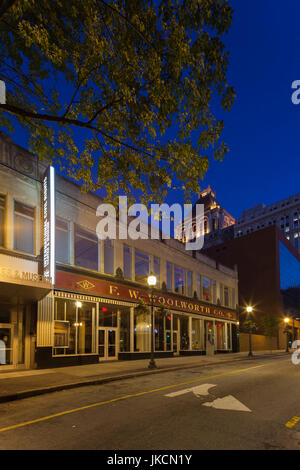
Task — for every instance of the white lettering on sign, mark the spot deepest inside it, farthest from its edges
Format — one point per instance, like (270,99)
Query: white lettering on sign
(49,223)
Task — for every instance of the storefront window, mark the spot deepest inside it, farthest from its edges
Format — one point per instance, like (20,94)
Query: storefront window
(162,331)
(179,279)
(79,321)
(109,256)
(184,333)
(206,289)
(221,338)
(2,218)
(197,334)
(24,228)
(62,241)
(142,327)
(85,320)
(6,350)
(86,249)
(142,266)
(127,262)
(108,316)
(124,329)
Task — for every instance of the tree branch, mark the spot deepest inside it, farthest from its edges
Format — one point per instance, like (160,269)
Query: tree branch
(73,122)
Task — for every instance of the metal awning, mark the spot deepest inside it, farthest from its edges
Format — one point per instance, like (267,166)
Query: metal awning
(14,292)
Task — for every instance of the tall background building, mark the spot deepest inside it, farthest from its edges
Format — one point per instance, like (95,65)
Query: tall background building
(285,214)
(218,222)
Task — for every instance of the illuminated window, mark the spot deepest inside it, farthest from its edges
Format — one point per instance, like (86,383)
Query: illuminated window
(179,279)
(206,289)
(23,228)
(142,266)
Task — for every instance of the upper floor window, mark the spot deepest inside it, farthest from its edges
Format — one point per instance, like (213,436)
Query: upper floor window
(142,266)
(62,248)
(109,256)
(179,279)
(206,289)
(127,262)
(86,249)
(23,228)
(2,218)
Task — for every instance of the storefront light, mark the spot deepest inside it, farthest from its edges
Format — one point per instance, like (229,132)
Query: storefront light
(78,304)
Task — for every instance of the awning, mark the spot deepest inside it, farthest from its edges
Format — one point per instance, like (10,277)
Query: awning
(13,292)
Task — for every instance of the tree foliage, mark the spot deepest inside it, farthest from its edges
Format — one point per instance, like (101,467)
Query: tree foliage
(120,94)
(271,324)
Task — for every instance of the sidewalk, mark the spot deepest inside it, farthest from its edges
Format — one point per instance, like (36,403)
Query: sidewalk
(20,384)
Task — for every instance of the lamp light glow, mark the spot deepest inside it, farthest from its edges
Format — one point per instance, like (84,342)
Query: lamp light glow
(151,280)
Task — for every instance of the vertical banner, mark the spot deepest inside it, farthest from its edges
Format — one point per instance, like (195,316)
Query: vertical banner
(49,223)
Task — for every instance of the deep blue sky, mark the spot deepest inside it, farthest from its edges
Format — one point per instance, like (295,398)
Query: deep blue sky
(263,128)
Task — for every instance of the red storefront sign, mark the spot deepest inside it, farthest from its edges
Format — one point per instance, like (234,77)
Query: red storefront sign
(97,287)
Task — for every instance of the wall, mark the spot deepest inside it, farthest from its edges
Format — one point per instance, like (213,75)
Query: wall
(259,343)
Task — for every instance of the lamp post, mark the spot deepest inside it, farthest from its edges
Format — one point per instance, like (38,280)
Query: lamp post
(250,310)
(286,321)
(152,283)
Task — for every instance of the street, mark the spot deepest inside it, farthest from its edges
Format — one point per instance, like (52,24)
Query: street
(252,404)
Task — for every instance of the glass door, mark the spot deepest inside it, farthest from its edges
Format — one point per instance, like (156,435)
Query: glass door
(6,345)
(209,338)
(107,343)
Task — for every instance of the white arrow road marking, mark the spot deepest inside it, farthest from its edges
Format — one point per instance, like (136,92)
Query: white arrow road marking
(200,390)
(227,403)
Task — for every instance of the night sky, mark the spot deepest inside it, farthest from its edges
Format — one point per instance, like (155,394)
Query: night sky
(263,128)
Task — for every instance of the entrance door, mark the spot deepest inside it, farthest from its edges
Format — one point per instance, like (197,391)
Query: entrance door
(209,338)
(6,344)
(107,344)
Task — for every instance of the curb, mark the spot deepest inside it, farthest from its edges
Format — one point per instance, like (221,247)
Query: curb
(98,381)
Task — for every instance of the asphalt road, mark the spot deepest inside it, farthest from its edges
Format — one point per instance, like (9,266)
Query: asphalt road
(252,404)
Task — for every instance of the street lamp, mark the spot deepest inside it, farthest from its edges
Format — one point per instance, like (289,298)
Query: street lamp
(286,321)
(249,310)
(152,283)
